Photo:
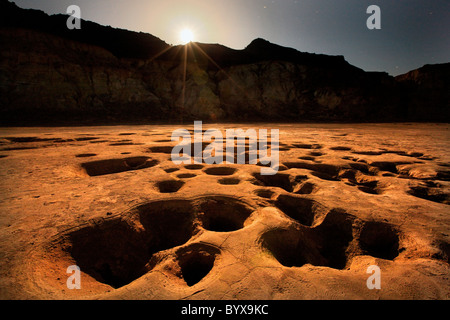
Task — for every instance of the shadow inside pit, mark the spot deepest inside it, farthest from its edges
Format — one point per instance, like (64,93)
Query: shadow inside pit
(116,251)
(333,243)
(109,166)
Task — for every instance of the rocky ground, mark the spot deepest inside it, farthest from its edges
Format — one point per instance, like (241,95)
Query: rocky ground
(110,200)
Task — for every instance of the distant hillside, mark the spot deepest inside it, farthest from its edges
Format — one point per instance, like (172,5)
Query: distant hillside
(50,75)
(427,91)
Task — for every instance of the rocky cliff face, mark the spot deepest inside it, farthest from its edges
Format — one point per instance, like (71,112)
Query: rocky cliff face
(427,92)
(49,75)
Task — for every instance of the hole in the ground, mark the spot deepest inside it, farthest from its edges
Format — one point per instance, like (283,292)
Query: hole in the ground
(136,162)
(264,193)
(365,184)
(186,175)
(158,218)
(379,239)
(414,154)
(444,251)
(341,148)
(92,142)
(280,148)
(161,149)
(324,176)
(86,139)
(306,188)
(28,139)
(109,252)
(286,247)
(194,166)
(443,175)
(316,154)
(229,181)
(388,174)
(311,158)
(364,168)
(369,153)
(387,166)
(220,171)
(327,169)
(18,148)
(122,144)
(334,235)
(163,140)
(103,167)
(325,245)
(302,145)
(169,186)
(303,210)
(370,187)
(196,261)
(85,155)
(430,193)
(281,180)
(223,214)
(116,251)
(307,146)
(277,168)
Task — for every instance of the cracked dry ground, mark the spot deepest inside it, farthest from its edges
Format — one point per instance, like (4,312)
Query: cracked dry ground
(109,200)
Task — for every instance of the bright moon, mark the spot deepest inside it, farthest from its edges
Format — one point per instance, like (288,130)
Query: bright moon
(186,36)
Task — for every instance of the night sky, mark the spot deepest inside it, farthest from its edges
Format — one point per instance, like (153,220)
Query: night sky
(413,32)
